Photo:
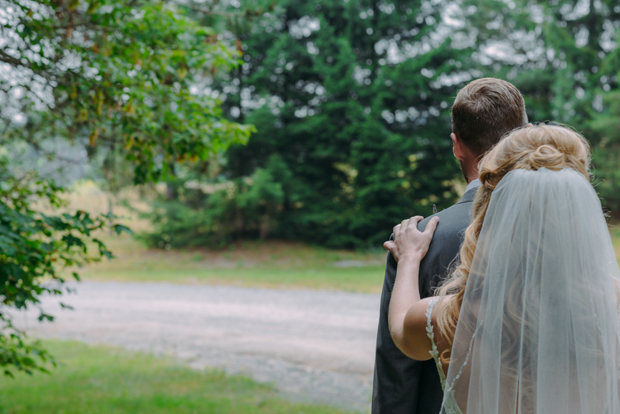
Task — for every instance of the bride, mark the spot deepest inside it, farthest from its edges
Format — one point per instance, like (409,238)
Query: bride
(528,321)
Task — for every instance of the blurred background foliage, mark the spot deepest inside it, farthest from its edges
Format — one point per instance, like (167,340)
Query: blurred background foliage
(351,103)
(347,103)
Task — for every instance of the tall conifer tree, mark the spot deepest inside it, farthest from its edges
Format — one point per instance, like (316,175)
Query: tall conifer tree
(563,56)
(351,103)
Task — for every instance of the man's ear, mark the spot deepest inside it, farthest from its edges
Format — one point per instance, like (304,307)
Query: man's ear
(457,147)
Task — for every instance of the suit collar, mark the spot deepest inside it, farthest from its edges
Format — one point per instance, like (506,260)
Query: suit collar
(470,192)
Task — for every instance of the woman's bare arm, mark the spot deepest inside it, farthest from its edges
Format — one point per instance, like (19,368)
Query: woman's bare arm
(407,313)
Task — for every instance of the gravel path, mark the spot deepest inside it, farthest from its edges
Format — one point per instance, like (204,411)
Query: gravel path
(314,346)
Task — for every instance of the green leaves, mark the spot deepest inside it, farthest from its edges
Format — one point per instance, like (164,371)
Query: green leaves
(119,229)
(129,79)
(133,79)
(16,354)
(349,91)
(34,248)
(211,215)
(564,58)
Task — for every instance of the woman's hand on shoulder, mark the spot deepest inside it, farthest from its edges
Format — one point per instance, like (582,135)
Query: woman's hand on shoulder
(409,242)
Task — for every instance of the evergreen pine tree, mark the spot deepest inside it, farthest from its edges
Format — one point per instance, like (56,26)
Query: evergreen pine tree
(351,103)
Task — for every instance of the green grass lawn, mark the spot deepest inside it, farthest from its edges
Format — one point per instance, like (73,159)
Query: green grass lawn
(272,264)
(101,380)
(251,264)
(268,264)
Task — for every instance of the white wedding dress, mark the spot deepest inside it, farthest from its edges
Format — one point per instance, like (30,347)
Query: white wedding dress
(538,331)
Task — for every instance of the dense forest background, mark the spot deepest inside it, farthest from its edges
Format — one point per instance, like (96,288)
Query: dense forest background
(351,103)
(319,121)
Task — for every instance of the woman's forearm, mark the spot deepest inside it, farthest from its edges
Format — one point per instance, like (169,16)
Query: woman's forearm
(405,293)
(407,313)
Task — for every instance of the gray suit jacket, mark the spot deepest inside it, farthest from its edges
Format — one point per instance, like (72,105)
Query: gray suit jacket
(402,385)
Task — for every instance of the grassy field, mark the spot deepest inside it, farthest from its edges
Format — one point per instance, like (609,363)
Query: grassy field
(101,380)
(274,264)
(271,264)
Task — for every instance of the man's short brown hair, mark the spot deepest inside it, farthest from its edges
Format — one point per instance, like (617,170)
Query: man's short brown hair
(484,111)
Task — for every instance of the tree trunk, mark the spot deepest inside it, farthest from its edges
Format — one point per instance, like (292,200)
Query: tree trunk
(265,227)
(239,223)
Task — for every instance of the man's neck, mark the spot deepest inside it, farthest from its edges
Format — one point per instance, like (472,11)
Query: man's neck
(472,175)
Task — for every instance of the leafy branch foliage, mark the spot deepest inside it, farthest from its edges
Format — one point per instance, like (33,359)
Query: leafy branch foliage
(129,78)
(35,246)
(121,73)
(211,214)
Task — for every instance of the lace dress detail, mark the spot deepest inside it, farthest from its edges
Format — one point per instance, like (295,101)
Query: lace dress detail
(449,405)
(434,351)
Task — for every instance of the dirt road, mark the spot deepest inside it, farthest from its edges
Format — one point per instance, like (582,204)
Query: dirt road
(314,346)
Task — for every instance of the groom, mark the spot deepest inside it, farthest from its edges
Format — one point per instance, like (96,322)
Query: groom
(482,113)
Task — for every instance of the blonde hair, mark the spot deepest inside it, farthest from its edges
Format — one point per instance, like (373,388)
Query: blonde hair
(529,148)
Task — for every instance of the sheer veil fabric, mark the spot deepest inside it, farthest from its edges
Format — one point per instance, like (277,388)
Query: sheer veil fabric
(538,331)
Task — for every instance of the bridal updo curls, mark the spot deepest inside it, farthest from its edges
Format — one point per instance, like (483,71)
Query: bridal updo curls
(533,147)
(530,148)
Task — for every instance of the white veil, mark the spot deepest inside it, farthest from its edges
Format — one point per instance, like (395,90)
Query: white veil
(538,328)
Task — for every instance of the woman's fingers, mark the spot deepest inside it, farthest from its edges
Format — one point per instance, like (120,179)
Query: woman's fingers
(431,226)
(389,245)
(392,248)
(414,221)
(409,240)
(406,225)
